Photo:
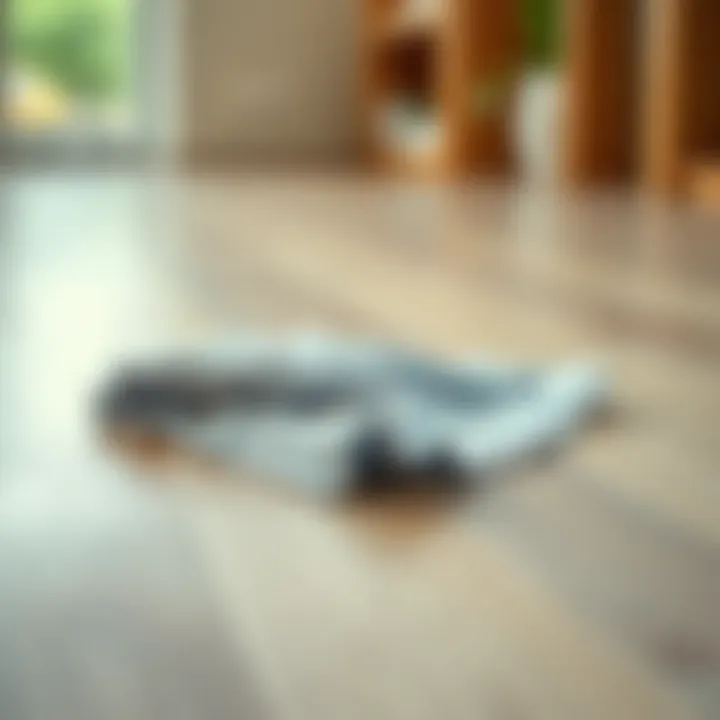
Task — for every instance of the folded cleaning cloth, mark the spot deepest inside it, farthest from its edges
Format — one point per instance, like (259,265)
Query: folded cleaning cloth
(333,416)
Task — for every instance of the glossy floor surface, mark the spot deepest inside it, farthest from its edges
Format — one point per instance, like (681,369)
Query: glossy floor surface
(586,588)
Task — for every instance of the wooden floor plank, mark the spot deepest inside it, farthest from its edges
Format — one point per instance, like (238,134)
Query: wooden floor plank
(448,621)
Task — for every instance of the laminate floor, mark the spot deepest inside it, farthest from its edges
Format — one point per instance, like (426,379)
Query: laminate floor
(586,588)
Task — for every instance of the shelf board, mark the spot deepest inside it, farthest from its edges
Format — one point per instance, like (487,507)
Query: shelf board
(406,164)
(704,181)
(405,28)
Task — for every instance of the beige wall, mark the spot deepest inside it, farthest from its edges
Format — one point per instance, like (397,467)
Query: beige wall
(270,78)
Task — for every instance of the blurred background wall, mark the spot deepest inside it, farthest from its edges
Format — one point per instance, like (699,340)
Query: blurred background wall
(270,78)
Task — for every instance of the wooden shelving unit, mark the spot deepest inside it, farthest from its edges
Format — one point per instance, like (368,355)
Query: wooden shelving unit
(439,82)
(643,95)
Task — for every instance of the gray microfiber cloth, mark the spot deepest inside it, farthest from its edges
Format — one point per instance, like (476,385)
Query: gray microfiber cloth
(335,415)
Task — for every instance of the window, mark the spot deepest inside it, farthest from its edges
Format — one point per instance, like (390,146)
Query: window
(69,66)
(88,79)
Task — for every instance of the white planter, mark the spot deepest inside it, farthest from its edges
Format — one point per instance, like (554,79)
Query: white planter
(537,127)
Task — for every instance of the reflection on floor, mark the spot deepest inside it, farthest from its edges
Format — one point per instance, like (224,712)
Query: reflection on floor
(587,588)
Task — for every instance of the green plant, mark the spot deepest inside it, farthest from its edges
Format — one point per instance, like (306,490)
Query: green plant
(541,20)
(492,93)
(541,31)
(78,44)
